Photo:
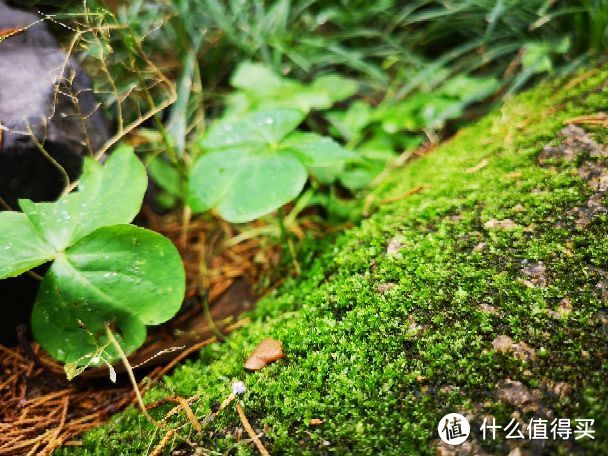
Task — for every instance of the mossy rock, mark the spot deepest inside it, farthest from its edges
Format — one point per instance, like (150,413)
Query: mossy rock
(484,294)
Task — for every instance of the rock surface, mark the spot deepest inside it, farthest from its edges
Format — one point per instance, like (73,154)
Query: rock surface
(470,324)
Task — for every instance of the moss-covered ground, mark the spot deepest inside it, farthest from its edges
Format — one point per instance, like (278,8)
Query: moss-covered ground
(484,294)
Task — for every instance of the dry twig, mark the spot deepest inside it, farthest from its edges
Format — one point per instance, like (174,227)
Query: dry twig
(256,440)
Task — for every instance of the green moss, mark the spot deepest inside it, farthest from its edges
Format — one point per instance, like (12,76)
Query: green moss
(382,368)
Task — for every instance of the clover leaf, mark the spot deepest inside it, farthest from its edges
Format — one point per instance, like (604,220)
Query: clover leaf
(104,271)
(21,247)
(106,196)
(170,182)
(122,274)
(260,88)
(256,164)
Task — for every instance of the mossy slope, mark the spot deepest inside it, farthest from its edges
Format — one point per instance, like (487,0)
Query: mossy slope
(483,294)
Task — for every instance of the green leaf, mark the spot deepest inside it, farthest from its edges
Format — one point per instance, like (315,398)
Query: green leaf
(261,127)
(298,96)
(315,150)
(254,165)
(246,183)
(123,275)
(166,176)
(358,178)
(338,209)
(323,157)
(257,78)
(336,87)
(21,247)
(263,89)
(107,195)
(351,122)
(537,58)
(237,105)
(469,89)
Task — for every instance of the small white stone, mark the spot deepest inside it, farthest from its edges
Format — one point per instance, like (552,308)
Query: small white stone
(238,387)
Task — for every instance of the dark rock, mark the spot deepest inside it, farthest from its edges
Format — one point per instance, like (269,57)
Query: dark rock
(46,96)
(575,141)
(43,91)
(536,272)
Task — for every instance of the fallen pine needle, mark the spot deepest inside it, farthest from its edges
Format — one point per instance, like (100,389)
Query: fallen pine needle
(482,164)
(198,346)
(189,414)
(600,118)
(159,448)
(162,352)
(251,432)
(405,194)
(136,389)
(54,440)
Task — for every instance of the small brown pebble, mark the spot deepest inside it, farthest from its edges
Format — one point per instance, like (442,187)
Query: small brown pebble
(504,344)
(316,421)
(515,452)
(563,309)
(267,351)
(528,283)
(560,389)
(513,175)
(536,272)
(515,393)
(480,247)
(487,308)
(384,288)
(394,247)
(506,224)
(482,164)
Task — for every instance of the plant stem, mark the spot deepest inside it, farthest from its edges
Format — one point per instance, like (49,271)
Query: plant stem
(140,399)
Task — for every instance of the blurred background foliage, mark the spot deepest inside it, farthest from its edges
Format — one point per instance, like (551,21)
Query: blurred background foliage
(393,47)
(411,72)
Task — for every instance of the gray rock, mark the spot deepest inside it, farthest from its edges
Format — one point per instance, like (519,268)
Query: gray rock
(31,67)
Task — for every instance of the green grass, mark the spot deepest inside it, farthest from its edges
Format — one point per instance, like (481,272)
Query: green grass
(371,39)
(394,49)
(381,369)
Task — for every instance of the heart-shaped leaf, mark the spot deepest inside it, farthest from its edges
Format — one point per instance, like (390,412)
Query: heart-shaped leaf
(254,165)
(103,272)
(316,150)
(124,275)
(21,247)
(323,157)
(107,195)
(166,176)
(244,184)
(261,127)
(263,90)
(256,78)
